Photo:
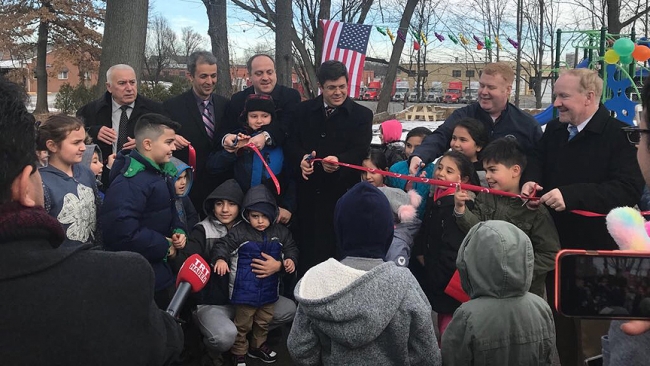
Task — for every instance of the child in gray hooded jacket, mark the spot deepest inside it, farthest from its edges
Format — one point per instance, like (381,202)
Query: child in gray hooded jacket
(362,310)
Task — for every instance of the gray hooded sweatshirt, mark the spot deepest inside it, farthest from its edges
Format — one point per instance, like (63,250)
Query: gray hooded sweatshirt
(502,324)
(362,311)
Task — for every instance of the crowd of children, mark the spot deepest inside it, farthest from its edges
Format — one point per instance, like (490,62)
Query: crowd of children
(146,209)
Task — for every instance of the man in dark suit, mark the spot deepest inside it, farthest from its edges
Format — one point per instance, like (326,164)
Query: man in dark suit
(110,119)
(261,73)
(499,117)
(66,306)
(582,162)
(334,127)
(201,114)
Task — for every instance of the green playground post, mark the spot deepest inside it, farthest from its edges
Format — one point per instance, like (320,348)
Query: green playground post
(603,69)
(601,50)
(633,64)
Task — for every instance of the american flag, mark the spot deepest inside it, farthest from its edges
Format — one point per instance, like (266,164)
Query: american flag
(347,42)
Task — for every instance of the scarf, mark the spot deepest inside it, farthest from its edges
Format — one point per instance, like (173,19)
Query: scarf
(20,222)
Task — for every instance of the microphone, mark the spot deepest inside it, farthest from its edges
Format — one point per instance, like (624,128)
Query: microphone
(192,277)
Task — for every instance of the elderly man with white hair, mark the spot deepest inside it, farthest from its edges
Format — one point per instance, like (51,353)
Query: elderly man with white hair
(110,119)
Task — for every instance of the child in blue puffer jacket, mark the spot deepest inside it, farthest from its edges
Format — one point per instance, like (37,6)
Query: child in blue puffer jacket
(257,239)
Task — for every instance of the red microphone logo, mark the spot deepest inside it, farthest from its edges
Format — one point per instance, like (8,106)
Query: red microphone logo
(195,271)
(200,269)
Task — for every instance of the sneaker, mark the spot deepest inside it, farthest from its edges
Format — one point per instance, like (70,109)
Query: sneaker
(264,353)
(239,360)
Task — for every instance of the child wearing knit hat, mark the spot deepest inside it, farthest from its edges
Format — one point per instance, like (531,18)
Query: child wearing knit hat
(362,310)
(390,135)
(249,169)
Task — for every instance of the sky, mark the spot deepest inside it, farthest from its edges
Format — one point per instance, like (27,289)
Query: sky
(241,29)
(246,35)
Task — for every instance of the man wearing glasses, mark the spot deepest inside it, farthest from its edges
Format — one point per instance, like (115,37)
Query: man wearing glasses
(584,161)
(333,127)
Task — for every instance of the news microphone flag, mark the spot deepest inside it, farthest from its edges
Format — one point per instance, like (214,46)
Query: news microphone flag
(192,277)
(347,42)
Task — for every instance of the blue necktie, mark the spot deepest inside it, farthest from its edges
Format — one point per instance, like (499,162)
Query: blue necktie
(573,131)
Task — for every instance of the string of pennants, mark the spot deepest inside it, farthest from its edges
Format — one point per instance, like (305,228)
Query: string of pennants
(420,38)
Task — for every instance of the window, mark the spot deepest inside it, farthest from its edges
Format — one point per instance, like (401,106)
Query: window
(469,73)
(455,73)
(63,75)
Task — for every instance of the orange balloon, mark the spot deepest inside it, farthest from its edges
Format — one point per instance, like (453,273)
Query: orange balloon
(479,47)
(641,53)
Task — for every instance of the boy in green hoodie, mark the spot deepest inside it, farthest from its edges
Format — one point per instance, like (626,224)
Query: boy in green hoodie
(504,162)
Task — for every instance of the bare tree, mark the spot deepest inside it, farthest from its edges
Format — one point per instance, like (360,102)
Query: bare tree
(615,14)
(306,35)
(161,47)
(427,15)
(283,49)
(28,26)
(218,32)
(125,34)
(384,96)
(190,41)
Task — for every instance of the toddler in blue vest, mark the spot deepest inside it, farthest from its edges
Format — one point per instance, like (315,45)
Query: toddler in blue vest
(254,292)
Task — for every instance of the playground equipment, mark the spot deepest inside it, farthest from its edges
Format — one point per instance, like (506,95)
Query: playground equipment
(615,67)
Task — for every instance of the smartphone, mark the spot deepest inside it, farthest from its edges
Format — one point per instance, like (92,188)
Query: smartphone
(594,361)
(603,284)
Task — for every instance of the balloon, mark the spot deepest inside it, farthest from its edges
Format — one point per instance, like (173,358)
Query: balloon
(479,47)
(641,53)
(624,46)
(626,60)
(611,57)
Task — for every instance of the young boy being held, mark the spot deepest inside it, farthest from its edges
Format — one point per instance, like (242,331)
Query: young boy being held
(254,295)
(139,204)
(502,322)
(504,162)
(248,168)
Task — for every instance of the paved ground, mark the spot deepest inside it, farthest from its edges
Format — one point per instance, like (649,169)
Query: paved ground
(278,342)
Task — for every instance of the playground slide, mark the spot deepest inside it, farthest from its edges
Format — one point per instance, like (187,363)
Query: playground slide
(546,115)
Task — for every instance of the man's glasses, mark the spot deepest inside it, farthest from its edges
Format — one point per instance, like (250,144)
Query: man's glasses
(634,134)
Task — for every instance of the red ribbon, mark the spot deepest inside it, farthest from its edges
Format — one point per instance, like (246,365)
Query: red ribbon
(440,183)
(191,157)
(268,168)
(468,187)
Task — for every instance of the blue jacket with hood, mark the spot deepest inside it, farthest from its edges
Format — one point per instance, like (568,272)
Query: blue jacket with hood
(186,210)
(139,207)
(73,201)
(244,243)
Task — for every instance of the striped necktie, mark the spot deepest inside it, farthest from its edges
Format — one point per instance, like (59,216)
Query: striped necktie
(207,118)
